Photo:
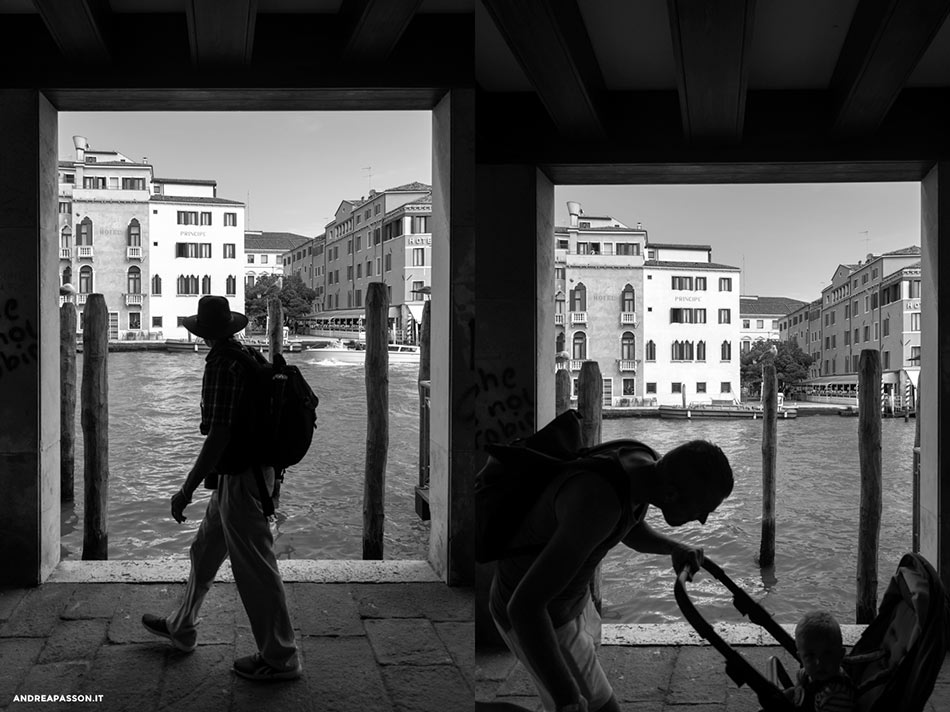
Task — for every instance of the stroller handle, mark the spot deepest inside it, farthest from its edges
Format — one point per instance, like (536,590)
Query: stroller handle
(737,667)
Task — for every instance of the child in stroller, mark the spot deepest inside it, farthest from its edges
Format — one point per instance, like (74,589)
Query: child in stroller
(895,662)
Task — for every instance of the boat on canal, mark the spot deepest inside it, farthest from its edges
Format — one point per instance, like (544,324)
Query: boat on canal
(355,352)
(722,409)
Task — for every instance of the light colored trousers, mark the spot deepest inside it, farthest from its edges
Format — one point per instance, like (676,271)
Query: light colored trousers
(234,526)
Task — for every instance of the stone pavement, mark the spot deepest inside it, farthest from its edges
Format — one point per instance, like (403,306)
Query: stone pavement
(376,644)
(659,678)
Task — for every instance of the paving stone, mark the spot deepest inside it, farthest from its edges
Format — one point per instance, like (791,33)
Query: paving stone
(17,656)
(459,640)
(698,678)
(38,612)
(201,680)
(494,664)
(434,601)
(324,609)
(518,684)
(127,676)
(430,688)
(74,640)
(408,641)
(63,678)
(638,674)
(286,696)
(216,619)
(94,600)
(342,675)
(9,599)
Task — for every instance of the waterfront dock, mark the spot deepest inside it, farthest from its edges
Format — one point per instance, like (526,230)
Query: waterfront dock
(374,636)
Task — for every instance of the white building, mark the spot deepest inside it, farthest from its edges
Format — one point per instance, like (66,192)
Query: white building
(264,253)
(762,318)
(660,319)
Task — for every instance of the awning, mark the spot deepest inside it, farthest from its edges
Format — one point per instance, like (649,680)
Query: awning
(890,377)
(913,373)
(844,379)
(342,314)
(416,311)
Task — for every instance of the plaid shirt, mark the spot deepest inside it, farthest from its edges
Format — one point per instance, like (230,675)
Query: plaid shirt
(221,389)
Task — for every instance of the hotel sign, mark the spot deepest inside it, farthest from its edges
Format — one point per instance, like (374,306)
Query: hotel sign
(193,233)
(687,299)
(419,241)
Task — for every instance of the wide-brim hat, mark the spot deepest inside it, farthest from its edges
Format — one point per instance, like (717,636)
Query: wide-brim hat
(214,319)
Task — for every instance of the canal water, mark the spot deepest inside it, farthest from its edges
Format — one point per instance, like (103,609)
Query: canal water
(818,487)
(153,441)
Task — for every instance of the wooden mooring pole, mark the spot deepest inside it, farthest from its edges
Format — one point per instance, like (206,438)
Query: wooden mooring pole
(769,435)
(869,452)
(425,383)
(94,418)
(275,327)
(67,403)
(377,419)
(590,404)
(915,470)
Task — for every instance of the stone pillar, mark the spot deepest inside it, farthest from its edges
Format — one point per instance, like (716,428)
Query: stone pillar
(515,337)
(29,339)
(934,374)
(452,431)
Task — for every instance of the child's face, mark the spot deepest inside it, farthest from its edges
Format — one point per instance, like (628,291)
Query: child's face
(820,657)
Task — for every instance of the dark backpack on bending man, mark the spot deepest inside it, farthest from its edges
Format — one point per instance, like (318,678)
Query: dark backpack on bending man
(278,415)
(516,474)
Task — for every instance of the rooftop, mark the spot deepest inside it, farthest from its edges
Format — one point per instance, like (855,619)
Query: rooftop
(667,264)
(193,199)
(185,181)
(677,246)
(750,304)
(278,241)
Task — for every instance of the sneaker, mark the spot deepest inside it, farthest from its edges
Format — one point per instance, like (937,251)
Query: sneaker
(253,667)
(159,626)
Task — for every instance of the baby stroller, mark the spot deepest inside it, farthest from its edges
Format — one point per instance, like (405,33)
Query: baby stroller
(893,665)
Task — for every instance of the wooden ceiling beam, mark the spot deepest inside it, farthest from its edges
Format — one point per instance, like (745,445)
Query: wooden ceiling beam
(550,42)
(221,34)
(78,28)
(885,42)
(375,27)
(711,45)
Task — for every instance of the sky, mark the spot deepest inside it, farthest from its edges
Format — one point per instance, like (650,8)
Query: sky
(294,168)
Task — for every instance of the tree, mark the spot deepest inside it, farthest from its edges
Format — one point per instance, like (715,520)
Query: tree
(295,297)
(791,364)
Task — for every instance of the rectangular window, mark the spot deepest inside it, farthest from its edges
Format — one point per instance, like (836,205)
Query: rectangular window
(847,311)
(725,284)
(418,257)
(759,323)
(133,184)
(349,273)
(874,301)
(264,259)
(359,272)
(192,249)
(701,387)
(250,259)
(187,217)
(867,333)
(914,292)
(230,219)
(677,387)
(94,182)
(915,353)
(725,316)
(847,338)
(135,321)
(205,218)
(857,335)
(388,262)
(877,329)
(651,387)
(629,386)
(156,322)
(229,250)
(746,323)
(682,283)
(887,359)
(627,248)
(915,321)
(700,284)
(725,387)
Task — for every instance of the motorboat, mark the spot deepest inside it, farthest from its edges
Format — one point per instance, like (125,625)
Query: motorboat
(355,352)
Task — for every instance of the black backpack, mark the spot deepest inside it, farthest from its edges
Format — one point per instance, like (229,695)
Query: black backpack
(278,416)
(516,474)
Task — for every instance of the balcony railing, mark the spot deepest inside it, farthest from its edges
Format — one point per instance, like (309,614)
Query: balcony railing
(576,364)
(133,299)
(64,253)
(81,298)
(558,319)
(84,251)
(579,317)
(561,366)
(627,364)
(628,318)
(133,253)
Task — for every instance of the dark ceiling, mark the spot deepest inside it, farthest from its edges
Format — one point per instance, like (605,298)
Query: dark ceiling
(557,81)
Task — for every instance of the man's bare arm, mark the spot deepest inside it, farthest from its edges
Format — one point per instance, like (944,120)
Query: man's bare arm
(587,511)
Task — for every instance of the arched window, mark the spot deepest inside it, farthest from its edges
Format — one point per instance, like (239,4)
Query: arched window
(68,275)
(628,344)
(580,346)
(559,343)
(187,285)
(650,354)
(135,234)
(66,238)
(628,300)
(701,351)
(682,351)
(156,285)
(85,279)
(84,232)
(135,280)
(206,285)
(726,350)
(579,298)
(249,281)
(230,285)
(559,303)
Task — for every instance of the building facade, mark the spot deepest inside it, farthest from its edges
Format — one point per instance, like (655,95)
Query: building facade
(151,246)
(661,320)
(761,318)
(264,254)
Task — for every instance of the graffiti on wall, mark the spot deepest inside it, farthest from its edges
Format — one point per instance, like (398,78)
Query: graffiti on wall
(18,342)
(504,408)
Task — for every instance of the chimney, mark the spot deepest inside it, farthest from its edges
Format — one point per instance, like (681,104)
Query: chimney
(869,257)
(573,209)
(81,145)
